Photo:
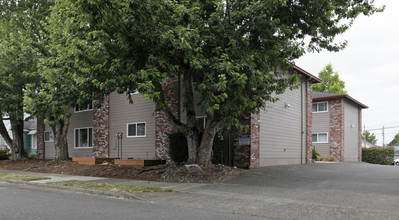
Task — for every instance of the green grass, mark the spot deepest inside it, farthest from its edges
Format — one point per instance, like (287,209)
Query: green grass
(21,177)
(110,186)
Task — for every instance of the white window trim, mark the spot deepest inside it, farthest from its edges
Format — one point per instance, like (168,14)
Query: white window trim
(49,136)
(127,129)
(318,107)
(318,138)
(86,110)
(74,138)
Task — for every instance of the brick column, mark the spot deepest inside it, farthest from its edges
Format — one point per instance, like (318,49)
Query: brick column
(247,156)
(337,128)
(40,139)
(163,126)
(101,130)
(309,118)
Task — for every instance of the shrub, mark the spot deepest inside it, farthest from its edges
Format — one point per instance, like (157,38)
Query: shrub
(376,155)
(4,155)
(327,158)
(315,153)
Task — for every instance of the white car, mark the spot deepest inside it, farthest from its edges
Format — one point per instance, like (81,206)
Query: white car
(396,162)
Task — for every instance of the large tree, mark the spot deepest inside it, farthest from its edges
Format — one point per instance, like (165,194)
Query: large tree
(21,45)
(370,137)
(232,52)
(331,81)
(395,141)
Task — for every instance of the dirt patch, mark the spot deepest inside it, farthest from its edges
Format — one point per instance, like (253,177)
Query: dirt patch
(163,173)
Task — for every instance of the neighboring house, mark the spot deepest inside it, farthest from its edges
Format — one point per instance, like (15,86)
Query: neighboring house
(366,144)
(30,136)
(280,134)
(337,120)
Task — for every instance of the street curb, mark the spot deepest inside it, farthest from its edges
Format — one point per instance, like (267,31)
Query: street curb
(76,189)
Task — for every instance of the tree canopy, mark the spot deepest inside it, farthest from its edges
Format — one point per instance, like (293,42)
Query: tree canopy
(395,141)
(233,53)
(370,137)
(331,82)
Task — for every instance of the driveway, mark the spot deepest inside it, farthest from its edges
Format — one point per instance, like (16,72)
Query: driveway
(311,191)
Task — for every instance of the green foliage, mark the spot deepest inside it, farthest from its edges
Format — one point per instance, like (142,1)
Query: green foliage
(4,155)
(315,153)
(370,137)
(233,50)
(376,155)
(178,151)
(395,141)
(331,82)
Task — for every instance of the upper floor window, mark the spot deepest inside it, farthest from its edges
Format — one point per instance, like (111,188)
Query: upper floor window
(320,107)
(136,129)
(48,136)
(83,108)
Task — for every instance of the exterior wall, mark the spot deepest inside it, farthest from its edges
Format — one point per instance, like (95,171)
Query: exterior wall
(121,112)
(27,141)
(49,149)
(101,130)
(82,119)
(321,124)
(360,134)
(282,129)
(337,129)
(351,139)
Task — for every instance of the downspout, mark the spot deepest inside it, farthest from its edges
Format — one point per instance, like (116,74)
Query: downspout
(302,132)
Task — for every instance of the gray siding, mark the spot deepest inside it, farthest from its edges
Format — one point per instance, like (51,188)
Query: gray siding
(282,135)
(49,147)
(321,124)
(351,128)
(82,119)
(122,113)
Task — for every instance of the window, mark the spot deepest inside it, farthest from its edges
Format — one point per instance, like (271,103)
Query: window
(83,137)
(320,107)
(320,138)
(201,122)
(34,142)
(48,136)
(84,108)
(136,129)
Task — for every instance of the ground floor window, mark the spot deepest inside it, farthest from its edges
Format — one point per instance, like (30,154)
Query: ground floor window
(48,136)
(320,137)
(83,137)
(136,129)
(34,142)
(201,122)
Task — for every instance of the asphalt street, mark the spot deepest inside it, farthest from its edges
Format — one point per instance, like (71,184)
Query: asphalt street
(26,202)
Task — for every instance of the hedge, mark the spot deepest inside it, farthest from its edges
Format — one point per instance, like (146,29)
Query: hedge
(378,155)
(4,155)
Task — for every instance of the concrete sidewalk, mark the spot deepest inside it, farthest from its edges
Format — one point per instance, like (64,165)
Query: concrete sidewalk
(176,187)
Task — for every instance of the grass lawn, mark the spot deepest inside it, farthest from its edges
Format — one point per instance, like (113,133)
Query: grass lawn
(110,186)
(21,177)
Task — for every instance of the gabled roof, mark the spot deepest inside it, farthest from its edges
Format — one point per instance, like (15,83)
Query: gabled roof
(319,96)
(313,78)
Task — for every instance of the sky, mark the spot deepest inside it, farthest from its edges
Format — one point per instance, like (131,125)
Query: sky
(369,67)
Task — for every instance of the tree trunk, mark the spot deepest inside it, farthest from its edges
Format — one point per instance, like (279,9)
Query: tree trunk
(60,130)
(205,148)
(192,143)
(40,139)
(17,129)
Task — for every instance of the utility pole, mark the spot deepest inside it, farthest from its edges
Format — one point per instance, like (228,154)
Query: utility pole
(364,135)
(383,136)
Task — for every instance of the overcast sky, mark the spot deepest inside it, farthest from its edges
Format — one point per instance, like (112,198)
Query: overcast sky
(369,67)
